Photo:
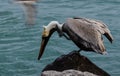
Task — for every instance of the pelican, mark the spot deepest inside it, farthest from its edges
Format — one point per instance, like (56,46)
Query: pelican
(29,7)
(85,33)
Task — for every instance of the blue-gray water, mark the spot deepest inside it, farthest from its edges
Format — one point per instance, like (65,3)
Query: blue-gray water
(19,44)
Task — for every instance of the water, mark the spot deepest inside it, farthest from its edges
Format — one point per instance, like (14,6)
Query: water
(19,44)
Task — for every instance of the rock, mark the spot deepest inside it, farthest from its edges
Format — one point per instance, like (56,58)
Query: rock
(67,73)
(75,61)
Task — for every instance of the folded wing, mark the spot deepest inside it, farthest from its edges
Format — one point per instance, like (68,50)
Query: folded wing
(90,31)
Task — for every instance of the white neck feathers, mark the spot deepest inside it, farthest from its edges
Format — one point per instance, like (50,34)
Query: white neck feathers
(52,25)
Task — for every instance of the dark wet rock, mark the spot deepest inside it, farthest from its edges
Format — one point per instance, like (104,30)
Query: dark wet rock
(75,61)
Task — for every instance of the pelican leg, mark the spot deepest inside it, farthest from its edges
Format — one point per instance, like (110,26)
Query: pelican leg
(68,38)
(79,50)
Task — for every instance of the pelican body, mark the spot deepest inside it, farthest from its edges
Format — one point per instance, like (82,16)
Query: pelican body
(85,33)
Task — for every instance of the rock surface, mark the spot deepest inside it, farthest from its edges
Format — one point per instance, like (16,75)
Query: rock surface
(67,73)
(74,61)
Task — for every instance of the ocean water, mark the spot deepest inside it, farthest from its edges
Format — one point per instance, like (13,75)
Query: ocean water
(19,44)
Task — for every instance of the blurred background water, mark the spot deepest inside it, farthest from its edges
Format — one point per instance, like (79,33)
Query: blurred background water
(19,44)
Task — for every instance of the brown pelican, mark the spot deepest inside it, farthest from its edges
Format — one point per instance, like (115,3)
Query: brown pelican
(85,33)
(29,7)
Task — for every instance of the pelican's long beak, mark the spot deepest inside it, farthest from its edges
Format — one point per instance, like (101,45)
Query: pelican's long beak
(43,45)
(45,38)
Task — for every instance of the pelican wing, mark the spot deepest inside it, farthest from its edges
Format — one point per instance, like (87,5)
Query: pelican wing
(102,28)
(90,32)
(29,9)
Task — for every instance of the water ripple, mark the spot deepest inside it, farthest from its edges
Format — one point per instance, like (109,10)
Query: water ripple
(19,44)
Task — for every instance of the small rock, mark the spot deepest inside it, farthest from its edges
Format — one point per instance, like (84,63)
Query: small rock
(74,61)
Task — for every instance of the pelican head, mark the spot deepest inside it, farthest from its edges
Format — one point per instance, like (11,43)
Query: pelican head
(47,32)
